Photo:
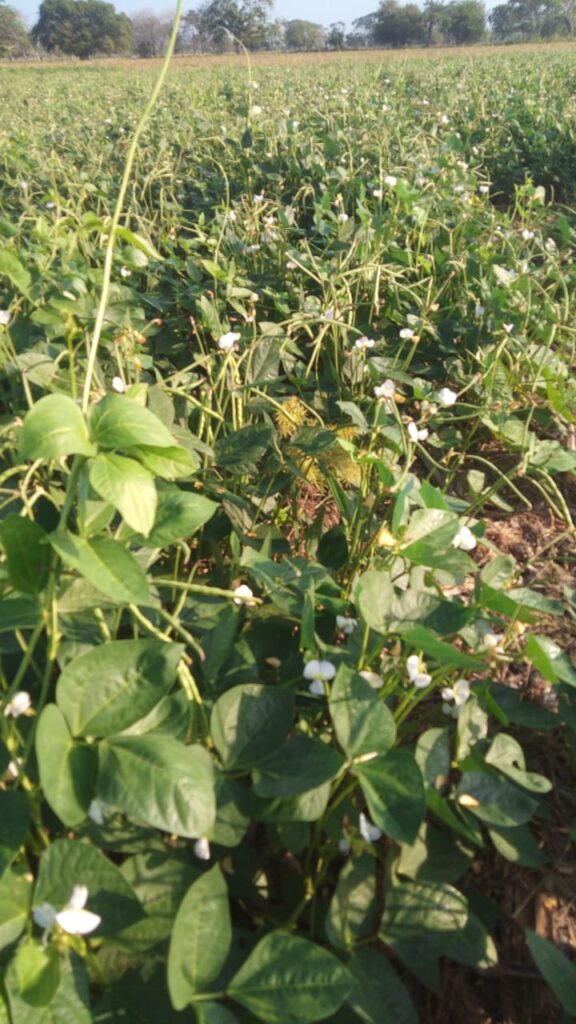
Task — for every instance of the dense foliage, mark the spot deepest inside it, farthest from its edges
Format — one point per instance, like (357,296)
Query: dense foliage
(82,28)
(257,637)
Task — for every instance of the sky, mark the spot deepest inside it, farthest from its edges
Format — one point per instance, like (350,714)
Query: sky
(323,11)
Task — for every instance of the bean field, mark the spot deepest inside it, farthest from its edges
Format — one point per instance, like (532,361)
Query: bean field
(287,455)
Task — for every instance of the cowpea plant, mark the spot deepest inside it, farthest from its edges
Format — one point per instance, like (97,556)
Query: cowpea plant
(252,754)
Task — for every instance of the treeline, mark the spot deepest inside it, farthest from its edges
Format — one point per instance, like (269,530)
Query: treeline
(85,28)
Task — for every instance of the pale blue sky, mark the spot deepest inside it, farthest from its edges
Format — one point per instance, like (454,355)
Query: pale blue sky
(323,11)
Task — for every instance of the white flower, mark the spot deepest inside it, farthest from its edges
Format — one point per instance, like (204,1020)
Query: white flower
(258,198)
(464,539)
(342,218)
(344,845)
(376,681)
(99,810)
(202,849)
(362,343)
(444,119)
(447,397)
(318,672)
(385,390)
(23,184)
(493,642)
(384,108)
(508,328)
(371,833)
(19,705)
(255,110)
(244,595)
(124,272)
(250,249)
(118,385)
(291,265)
(346,624)
(227,343)
(50,206)
(527,235)
(406,333)
(484,189)
(478,311)
(74,919)
(416,435)
(416,672)
(550,245)
(377,193)
(4,317)
(455,697)
(44,916)
(232,215)
(391,180)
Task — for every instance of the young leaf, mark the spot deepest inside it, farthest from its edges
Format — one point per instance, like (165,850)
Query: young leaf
(362,721)
(27,553)
(38,973)
(172,463)
(394,791)
(105,563)
(15,271)
(53,428)
(412,908)
(160,782)
(106,689)
(67,769)
(250,722)
(201,938)
(128,487)
(118,422)
(15,896)
(288,980)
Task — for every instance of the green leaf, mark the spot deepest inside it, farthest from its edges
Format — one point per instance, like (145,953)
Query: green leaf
(412,908)
(18,613)
(352,912)
(69,862)
(495,800)
(550,660)
(425,640)
(160,883)
(201,938)
(69,1004)
(362,721)
(288,980)
(15,897)
(506,754)
(556,969)
(109,687)
(27,553)
(13,269)
(67,769)
(394,791)
(14,821)
(38,973)
(172,463)
(160,782)
(106,563)
(518,845)
(378,996)
(178,515)
(250,722)
(127,486)
(299,765)
(53,428)
(242,448)
(138,241)
(119,422)
(433,756)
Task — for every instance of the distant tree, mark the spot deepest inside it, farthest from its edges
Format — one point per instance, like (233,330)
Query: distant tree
(217,23)
(363,34)
(433,15)
(464,21)
(532,19)
(150,33)
(14,41)
(398,25)
(82,28)
(304,35)
(336,38)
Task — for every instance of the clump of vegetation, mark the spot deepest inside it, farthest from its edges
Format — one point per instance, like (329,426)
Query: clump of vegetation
(281,694)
